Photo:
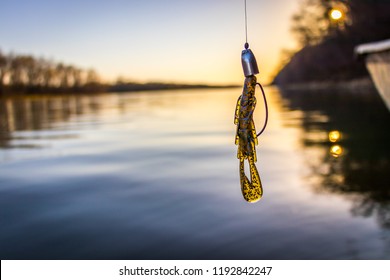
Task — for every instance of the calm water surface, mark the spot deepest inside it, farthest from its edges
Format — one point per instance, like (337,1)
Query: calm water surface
(154,175)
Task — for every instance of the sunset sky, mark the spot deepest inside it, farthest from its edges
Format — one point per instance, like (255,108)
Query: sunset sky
(186,41)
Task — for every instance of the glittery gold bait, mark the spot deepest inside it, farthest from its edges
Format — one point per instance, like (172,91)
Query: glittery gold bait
(246,139)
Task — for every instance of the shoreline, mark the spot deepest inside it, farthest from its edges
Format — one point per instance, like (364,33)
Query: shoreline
(357,85)
(9,92)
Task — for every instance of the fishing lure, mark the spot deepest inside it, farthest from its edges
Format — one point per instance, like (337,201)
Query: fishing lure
(246,137)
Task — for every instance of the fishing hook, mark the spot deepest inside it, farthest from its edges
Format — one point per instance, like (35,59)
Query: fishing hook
(246,137)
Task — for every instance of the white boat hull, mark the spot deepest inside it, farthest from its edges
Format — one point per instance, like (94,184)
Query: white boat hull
(377,58)
(378,64)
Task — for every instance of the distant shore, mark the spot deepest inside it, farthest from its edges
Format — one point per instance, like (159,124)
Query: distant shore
(105,88)
(161,86)
(357,85)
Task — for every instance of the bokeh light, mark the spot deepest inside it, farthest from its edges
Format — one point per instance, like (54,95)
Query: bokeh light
(334,136)
(336,151)
(336,14)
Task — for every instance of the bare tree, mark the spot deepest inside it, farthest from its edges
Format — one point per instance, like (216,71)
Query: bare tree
(16,70)
(77,78)
(92,77)
(24,72)
(311,23)
(3,68)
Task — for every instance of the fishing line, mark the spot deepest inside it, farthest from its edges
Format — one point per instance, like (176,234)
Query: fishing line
(262,90)
(246,28)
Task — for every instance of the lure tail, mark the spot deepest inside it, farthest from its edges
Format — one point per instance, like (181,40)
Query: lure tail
(246,139)
(251,190)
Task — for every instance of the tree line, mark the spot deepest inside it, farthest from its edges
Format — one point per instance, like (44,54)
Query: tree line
(28,74)
(326,44)
(359,20)
(25,73)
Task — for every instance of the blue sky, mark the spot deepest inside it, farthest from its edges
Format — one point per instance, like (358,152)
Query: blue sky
(148,40)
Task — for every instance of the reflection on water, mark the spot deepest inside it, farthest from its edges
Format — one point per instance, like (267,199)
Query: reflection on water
(359,164)
(40,113)
(334,136)
(153,175)
(336,151)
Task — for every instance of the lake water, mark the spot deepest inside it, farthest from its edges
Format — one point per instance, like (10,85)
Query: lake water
(154,175)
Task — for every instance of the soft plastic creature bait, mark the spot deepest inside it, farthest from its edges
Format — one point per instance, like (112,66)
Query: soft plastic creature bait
(246,137)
